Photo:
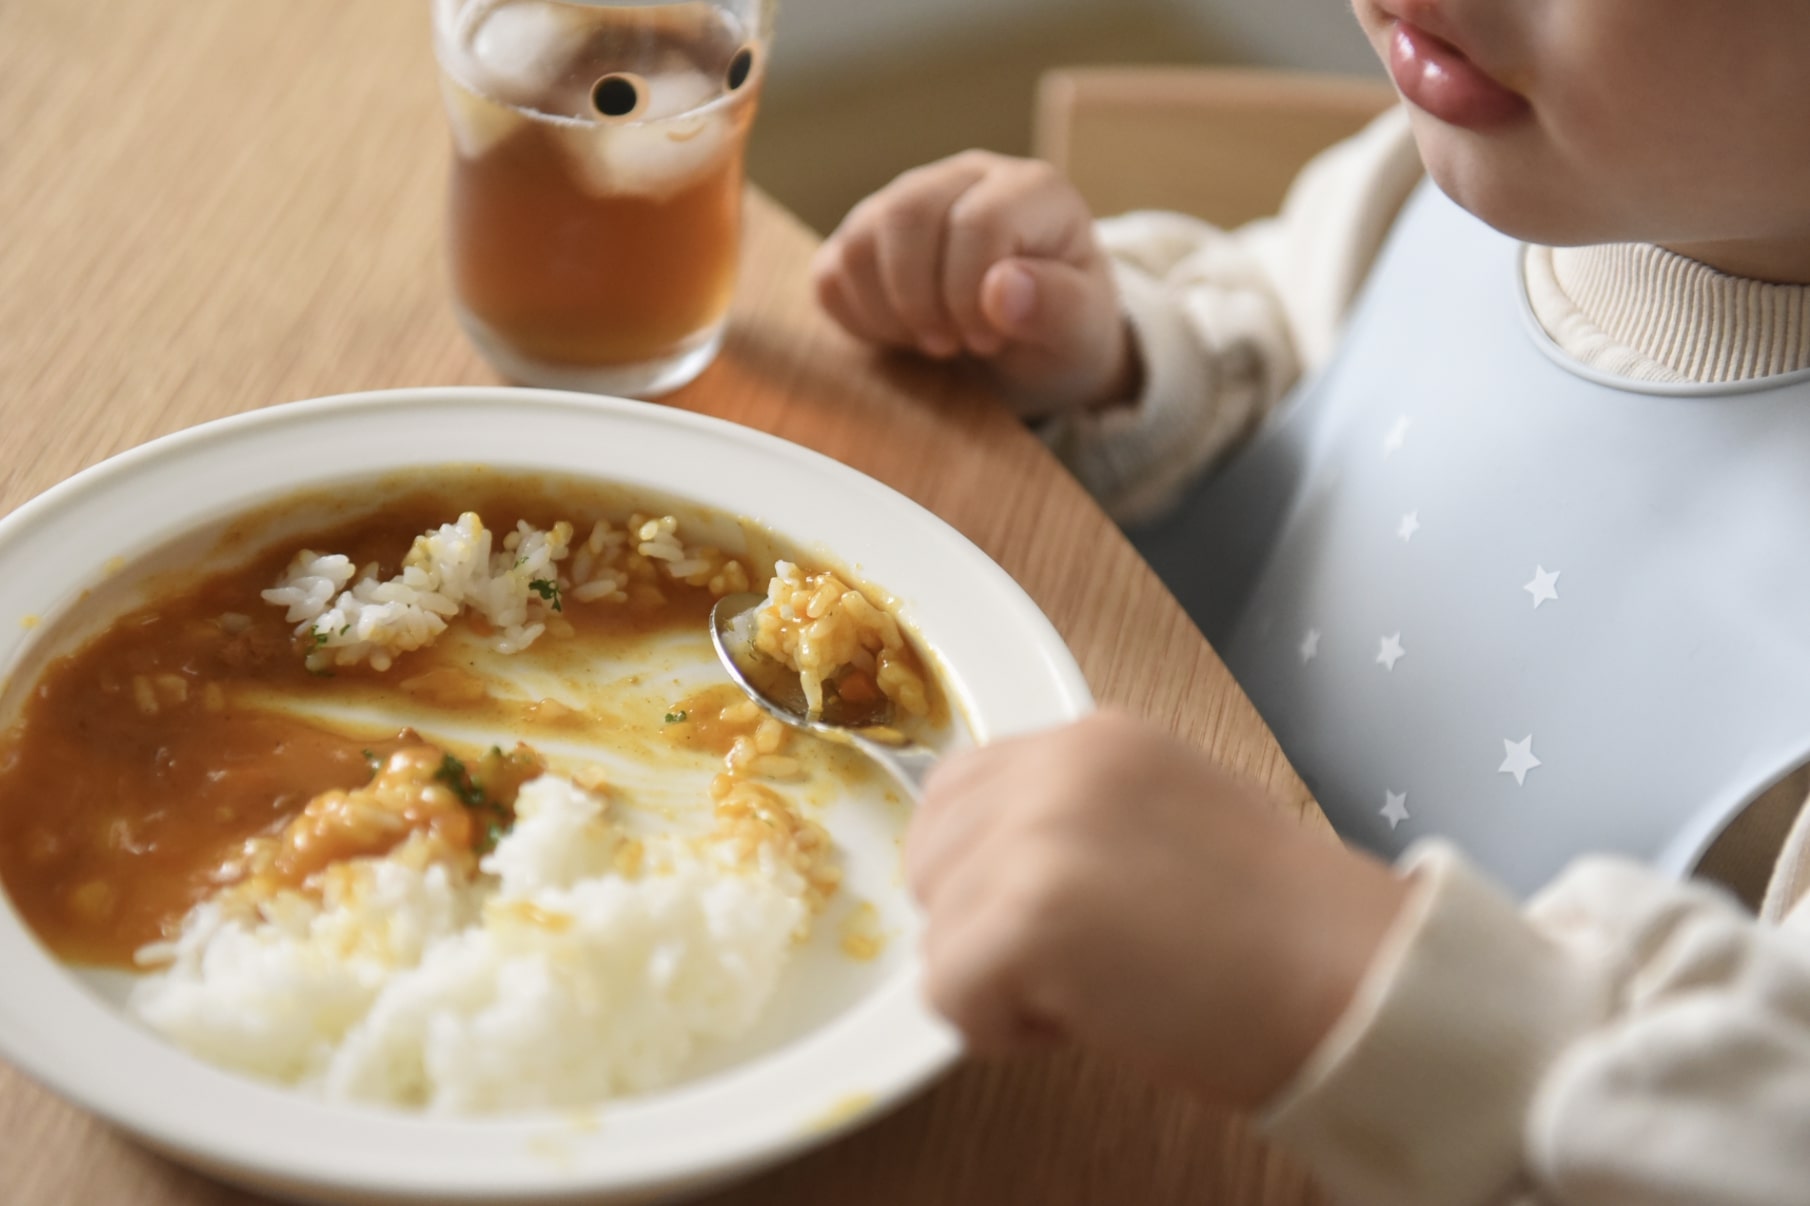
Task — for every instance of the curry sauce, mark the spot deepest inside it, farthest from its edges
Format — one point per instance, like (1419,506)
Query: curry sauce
(137,770)
(143,766)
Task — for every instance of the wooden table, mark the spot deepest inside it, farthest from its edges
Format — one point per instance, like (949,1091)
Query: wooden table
(215,205)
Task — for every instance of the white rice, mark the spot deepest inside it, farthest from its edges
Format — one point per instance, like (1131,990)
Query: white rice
(552,980)
(348,615)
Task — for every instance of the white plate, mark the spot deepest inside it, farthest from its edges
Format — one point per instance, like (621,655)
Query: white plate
(1003,665)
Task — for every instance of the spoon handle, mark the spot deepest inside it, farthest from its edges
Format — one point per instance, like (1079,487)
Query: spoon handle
(909,765)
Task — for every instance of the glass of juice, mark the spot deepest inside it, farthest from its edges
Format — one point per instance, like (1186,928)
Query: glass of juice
(595,200)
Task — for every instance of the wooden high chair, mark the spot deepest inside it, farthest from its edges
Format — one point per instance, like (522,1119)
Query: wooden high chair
(1219,143)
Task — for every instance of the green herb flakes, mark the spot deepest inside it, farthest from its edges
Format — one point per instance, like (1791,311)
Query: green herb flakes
(547,589)
(452,773)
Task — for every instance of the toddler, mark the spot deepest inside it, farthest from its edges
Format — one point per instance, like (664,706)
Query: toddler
(1488,487)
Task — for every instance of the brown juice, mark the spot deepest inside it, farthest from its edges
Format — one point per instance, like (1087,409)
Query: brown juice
(578,238)
(568,274)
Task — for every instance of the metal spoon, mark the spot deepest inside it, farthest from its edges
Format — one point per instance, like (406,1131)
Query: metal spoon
(780,694)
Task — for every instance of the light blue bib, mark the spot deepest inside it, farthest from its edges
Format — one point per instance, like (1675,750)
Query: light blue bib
(1481,592)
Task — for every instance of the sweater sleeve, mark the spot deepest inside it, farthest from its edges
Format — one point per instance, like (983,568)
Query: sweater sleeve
(1226,321)
(1627,1040)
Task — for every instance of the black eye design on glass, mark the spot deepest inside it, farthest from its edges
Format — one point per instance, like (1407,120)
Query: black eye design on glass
(739,67)
(616,95)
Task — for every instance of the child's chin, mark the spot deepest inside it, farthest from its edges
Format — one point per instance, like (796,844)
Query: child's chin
(1503,189)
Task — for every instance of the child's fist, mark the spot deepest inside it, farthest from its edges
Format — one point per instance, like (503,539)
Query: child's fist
(992,255)
(1103,883)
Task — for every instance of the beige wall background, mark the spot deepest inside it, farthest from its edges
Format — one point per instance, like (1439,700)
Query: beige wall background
(860,90)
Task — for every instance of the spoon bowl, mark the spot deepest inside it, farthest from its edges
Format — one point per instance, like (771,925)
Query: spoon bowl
(779,692)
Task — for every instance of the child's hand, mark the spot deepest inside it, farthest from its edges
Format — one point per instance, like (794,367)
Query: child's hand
(1105,884)
(991,255)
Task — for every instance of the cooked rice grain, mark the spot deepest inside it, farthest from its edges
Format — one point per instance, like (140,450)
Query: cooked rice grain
(820,626)
(582,964)
(345,616)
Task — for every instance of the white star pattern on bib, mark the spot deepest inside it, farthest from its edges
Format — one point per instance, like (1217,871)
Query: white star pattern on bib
(1518,759)
(1398,435)
(1407,528)
(1310,646)
(1545,585)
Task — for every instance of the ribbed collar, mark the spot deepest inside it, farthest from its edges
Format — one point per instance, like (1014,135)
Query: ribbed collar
(1640,311)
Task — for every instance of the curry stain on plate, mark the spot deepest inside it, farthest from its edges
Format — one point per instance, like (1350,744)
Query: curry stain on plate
(586,1120)
(560,1147)
(861,937)
(555,1150)
(841,1112)
(29,622)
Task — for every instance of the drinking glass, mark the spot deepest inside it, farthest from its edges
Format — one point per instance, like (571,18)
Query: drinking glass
(595,200)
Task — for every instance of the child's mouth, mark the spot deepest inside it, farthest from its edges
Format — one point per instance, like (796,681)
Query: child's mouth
(1437,77)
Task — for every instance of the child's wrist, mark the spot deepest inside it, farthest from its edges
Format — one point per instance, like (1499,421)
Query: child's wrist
(1336,908)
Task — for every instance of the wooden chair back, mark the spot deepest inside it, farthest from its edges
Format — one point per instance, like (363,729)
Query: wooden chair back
(1219,143)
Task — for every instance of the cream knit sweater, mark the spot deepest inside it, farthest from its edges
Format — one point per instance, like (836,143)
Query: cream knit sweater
(1624,1039)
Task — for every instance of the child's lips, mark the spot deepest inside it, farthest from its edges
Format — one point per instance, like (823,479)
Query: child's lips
(1437,77)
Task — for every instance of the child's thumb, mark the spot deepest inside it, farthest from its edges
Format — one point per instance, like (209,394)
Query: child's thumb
(1042,302)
